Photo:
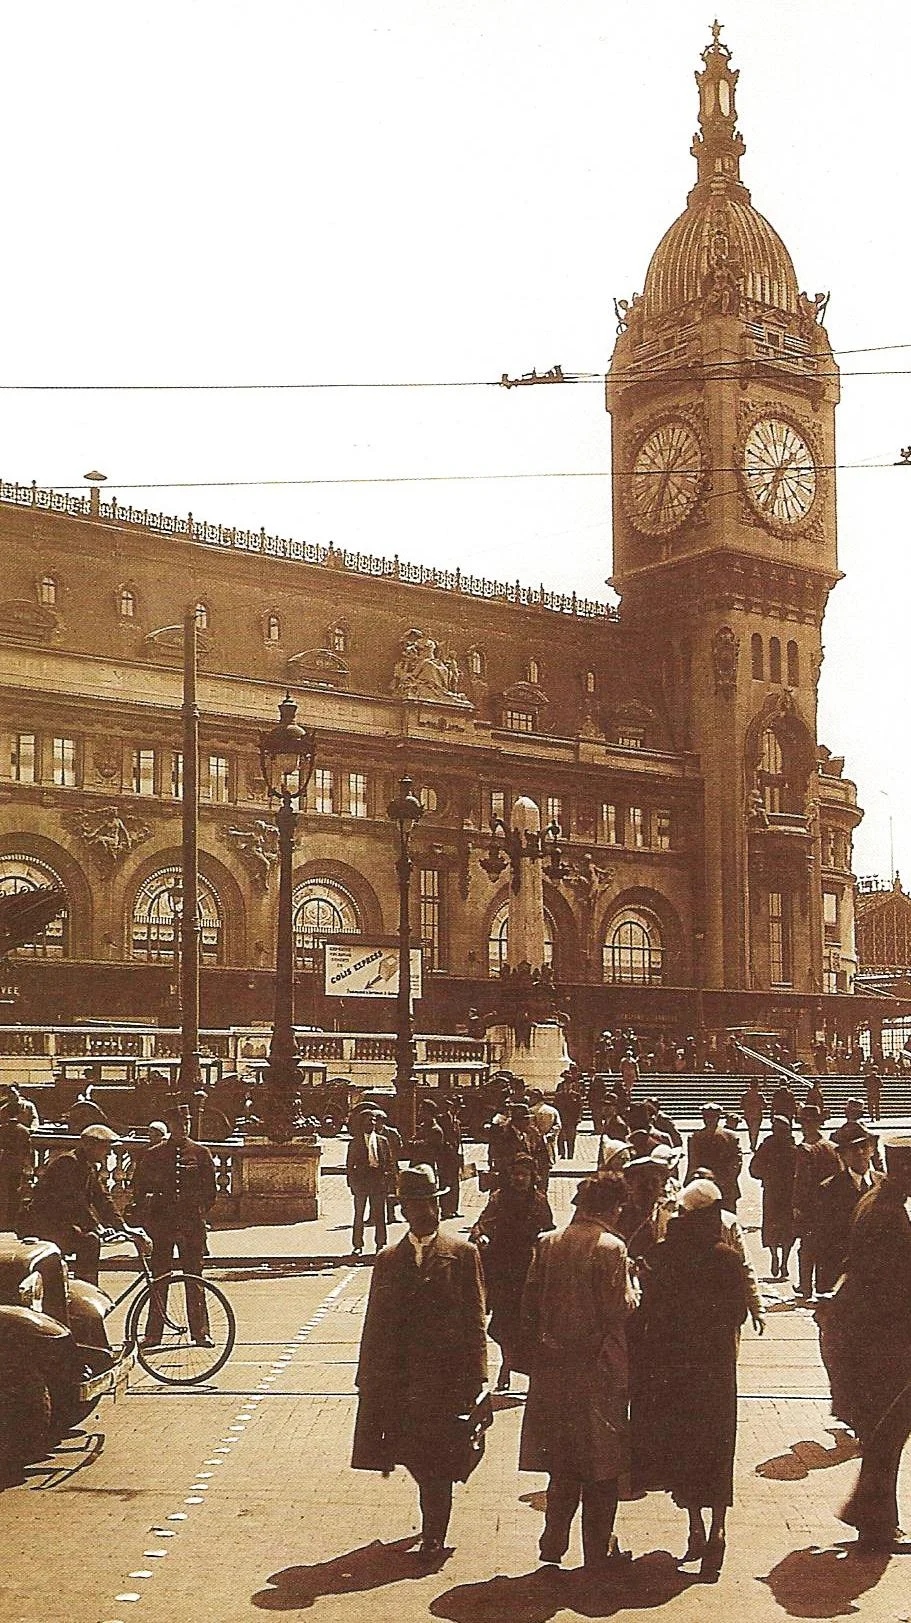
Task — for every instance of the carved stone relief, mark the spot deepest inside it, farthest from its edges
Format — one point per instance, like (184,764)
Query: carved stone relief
(426,669)
(725,651)
(110,833)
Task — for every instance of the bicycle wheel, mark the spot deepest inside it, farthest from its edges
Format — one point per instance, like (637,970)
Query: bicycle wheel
(177,1359)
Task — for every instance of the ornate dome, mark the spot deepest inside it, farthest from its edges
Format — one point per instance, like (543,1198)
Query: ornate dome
(721,249)
(685,257)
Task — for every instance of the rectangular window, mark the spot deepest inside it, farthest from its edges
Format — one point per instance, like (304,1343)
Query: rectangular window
(608,823)
(635,827)
(322,790)
(661,830)
(63,759)
(177,774)
(519,721)
(143,772)
(431,921)
(498,805)
(830,911)
(357,794)
(779,939)
(218,780)
(553,811)
(22,758)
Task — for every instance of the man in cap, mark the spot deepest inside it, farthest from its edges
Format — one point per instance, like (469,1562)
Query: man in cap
(369,1170)
(866,1337)
(837,1201)
(717,1148)
(817,1160)
(71,1206)
(423,1358)
(577,1299)
(174,1190)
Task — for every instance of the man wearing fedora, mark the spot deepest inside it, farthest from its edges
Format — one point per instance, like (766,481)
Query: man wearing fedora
(717,1148)
(423,1358)
(837,1200)
(866,1339)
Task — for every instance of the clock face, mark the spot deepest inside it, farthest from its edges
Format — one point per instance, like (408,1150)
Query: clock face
(666,478)
(778,472)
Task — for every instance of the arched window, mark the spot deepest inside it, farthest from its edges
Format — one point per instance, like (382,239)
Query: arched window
(498,940)
(47,592)
(533,671)
(273,628)
(756,652)
(793,665)
(20,872)
(771,772)
(320,907)
(590,682)
(476,663)
(429,798)
(774,660)
(155,926)
(337,638)
(202,616)
(126,603)
(633,951)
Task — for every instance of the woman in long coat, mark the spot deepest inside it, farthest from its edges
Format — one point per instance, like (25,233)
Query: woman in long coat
(507,1231)
(574,1310)
(774,1165)
(684,1415)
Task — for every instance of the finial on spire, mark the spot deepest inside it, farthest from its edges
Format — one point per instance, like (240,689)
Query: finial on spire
(718,147)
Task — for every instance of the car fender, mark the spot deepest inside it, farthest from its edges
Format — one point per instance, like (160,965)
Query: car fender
(88,1308)
(20,1325)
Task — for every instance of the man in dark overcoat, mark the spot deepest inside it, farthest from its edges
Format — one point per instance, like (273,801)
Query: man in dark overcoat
(816,1160)
(423,1359)
(836,1203)
(866,1340)
(718,1149)
(71,1206)
(174,1190)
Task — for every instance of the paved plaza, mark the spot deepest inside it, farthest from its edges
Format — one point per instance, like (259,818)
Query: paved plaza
(237,1500)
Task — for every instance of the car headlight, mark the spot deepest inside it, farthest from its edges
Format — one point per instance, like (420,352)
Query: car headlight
(31,1291)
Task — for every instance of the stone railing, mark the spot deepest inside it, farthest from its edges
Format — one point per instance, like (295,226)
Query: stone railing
(308,552)
(122,1161)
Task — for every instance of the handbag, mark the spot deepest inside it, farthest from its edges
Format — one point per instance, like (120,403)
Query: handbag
(465,1446)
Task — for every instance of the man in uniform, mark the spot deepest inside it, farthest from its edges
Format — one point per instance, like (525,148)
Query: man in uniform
(423,1359)
(174,1189)
(866,1339)
(71,1206)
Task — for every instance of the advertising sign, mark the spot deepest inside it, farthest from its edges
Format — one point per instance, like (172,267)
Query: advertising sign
(359,969)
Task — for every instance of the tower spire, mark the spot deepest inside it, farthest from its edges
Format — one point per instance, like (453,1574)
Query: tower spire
(718,147)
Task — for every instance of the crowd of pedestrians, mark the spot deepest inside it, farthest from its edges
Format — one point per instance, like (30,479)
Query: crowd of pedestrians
(627,1321)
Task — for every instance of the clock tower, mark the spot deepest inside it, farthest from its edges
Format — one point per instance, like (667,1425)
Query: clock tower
(722,391)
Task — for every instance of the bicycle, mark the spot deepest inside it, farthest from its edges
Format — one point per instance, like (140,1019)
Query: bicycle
(177,1359)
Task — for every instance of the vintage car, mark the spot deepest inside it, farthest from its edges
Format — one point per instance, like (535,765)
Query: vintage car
(55,1357)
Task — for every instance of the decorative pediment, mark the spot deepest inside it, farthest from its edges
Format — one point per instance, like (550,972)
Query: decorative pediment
(21,620)
(319,667)
(526,696)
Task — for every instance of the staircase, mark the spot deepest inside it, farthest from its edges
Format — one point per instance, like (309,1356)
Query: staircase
(683,1096)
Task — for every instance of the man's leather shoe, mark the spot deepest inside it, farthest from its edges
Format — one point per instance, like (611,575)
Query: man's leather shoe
(203,1341)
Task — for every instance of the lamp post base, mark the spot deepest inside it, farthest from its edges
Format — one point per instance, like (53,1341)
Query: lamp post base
(282,1081)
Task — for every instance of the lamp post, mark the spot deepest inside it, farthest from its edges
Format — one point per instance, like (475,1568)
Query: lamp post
(509,848)
(405,813)
(287,753)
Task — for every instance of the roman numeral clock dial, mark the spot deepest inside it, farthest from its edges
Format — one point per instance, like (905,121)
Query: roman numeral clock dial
(666,478)
(778,473)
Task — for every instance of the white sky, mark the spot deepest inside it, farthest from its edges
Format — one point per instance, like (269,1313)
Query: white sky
(374,191)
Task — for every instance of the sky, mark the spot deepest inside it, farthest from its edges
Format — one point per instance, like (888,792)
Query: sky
(413,192)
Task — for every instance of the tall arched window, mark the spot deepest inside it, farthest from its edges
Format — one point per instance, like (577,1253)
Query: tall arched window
(533,671)
(273,628)
(793,665)
(202,616)
(320,907)
(475,662)
(20,872)
(633,952)
(126,603)
(155,926)
(756,652)
(774,659)
(47,591)
(498,940)
(771,772)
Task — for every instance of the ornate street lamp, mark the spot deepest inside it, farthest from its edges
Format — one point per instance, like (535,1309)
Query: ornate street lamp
(286,753)
(509,849)
(405,813)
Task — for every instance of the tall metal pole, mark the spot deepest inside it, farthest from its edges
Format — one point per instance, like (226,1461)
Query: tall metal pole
(190,1080)
(405,1050)
(283,1048)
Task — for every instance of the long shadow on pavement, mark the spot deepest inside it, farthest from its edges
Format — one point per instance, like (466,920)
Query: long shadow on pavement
(802,1458)
(536,1597)
(824,1583)
(372,1566)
